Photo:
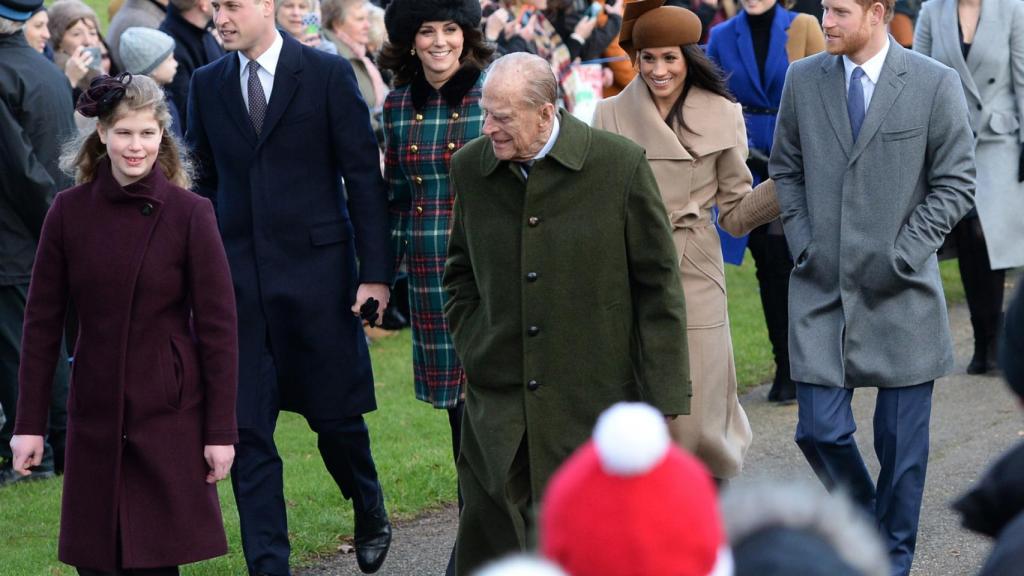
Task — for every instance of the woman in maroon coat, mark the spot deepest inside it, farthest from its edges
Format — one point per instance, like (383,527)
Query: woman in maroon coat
(151,410)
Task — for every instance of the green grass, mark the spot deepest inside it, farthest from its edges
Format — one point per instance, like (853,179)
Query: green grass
(410,442)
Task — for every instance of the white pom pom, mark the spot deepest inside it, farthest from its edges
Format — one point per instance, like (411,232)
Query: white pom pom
(520,566)
(631,439)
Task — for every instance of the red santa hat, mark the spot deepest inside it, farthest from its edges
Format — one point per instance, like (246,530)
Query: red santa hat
(630,503)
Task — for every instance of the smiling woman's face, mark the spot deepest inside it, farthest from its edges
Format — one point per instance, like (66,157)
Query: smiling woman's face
(439,48)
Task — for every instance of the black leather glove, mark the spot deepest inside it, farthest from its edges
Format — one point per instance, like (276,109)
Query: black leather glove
(757,163)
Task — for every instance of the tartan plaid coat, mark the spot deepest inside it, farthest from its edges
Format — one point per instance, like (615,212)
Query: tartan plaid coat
(423,127)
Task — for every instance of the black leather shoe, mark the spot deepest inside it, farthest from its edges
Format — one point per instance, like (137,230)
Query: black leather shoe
(372,539)
(783,391)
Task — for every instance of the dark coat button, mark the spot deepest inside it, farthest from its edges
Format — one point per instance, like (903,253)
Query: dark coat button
(533,220)
(991,80)
(146,209)
(533,330)
(532,385)
(979,106)
(531,276)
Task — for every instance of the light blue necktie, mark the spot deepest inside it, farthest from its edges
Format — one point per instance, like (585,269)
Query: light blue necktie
(855,101)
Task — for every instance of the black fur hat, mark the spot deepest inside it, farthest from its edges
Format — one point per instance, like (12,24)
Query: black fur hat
(404,17)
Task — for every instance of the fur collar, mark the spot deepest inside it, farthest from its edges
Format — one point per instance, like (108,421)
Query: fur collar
(453,91)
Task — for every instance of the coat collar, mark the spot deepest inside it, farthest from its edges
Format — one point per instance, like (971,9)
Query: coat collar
(833,93)
(777,57)
(453,91)
(151,188)
(948,34)
(710,118)
(570,150)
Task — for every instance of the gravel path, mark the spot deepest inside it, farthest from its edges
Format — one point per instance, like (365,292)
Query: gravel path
(974,419)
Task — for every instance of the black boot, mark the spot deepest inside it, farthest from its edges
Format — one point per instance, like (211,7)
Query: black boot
(372,539)
(783,388)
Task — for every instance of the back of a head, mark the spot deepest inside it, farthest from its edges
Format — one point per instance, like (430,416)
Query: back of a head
(797,528)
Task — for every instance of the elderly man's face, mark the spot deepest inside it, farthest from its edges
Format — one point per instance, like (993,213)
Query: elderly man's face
(517,129)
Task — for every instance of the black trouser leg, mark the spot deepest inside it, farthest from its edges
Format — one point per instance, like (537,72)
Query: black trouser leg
(12,315)
(983,288)
(455,423)
(345,447)
(771,255)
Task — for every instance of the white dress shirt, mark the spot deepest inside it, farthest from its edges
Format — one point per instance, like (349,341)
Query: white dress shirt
(872,70)
(268,67)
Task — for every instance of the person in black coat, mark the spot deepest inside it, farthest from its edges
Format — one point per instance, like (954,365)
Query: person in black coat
(995,506)
(189,23)
(275,128)
(35,118)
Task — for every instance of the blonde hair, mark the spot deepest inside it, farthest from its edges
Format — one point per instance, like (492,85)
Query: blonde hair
(82,155)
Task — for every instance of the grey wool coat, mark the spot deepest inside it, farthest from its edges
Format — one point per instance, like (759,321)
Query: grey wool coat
(564,298)
(864,219)
(992,77)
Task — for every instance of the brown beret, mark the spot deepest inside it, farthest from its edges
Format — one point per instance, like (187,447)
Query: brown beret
(651,24)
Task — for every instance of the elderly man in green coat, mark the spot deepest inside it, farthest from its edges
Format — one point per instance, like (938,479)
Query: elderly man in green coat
(564,298)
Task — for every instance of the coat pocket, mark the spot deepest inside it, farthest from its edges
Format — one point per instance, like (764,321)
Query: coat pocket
(1004,122)
(329,233)
(180,388)
(904,134)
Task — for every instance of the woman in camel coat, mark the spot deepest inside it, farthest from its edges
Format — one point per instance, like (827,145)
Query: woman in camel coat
(698,156)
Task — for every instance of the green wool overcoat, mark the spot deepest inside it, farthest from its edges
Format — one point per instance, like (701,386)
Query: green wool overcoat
(564,298)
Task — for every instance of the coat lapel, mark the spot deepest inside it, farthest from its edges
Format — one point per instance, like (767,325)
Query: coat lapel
(778,59)
(637,118)
(985,38)
(286,81)
(231,93)
(832,86)
(745,43)
(949,37)
(890,84)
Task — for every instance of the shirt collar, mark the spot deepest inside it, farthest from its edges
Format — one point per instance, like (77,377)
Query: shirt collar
(551,141)
(267,60)
(872,68)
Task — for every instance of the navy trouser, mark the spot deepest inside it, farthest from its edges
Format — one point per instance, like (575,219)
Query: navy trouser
(825,435)
(257,475)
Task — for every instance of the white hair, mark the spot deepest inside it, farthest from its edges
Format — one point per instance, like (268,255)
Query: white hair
(747,510)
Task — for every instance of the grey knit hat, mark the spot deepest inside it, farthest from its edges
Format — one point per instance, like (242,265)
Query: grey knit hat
(143,49)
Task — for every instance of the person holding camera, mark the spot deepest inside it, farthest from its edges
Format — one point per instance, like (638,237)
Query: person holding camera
(74,37)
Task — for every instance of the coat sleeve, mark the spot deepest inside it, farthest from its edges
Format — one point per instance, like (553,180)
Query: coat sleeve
(459,280)
(950,175)
(43,331)
(1017,61)
(357,154)
(25,181)
(199,145)
(786,168)
(399,189)
(657,296)
(215,324)
(923,30)
(740,210)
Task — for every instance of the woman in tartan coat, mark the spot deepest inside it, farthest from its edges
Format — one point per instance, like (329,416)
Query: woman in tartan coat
(437,55)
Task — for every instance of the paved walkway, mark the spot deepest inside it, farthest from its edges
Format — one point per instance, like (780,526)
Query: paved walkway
(974,419)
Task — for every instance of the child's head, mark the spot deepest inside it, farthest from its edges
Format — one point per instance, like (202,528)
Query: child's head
(150,52)
(132,131)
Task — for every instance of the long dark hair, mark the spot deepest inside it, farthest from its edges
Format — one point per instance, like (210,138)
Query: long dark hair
(397,58)
(702,73)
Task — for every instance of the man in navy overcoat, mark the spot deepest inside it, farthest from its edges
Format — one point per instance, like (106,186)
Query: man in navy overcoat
(283,146)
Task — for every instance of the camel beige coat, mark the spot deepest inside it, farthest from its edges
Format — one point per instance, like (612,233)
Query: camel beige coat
(694,174)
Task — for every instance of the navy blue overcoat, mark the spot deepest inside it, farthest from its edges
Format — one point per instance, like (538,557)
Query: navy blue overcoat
(296,204)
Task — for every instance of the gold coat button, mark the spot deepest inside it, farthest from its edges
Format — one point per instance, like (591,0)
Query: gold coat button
(419,209)
(533,220)
(455,115)
(419,117)
(419,180)
(451,145)
(414,148)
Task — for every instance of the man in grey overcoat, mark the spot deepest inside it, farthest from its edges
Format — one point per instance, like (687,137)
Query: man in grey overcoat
(873,162)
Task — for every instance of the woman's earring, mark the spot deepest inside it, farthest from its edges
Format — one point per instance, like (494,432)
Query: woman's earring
(412,51)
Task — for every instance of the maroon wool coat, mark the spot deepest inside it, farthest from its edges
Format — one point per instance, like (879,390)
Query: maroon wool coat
(155,371)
